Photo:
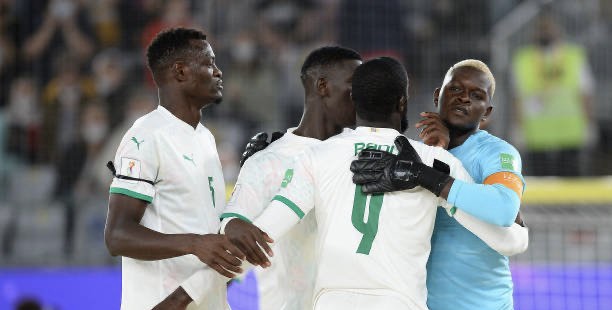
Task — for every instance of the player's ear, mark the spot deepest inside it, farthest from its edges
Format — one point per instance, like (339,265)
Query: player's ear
(179,70)
(321,85)
(488,112)
(436,96)
(401,104)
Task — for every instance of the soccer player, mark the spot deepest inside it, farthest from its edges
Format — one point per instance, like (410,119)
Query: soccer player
(371,250)
(167,194)
(326,76)
(464,272)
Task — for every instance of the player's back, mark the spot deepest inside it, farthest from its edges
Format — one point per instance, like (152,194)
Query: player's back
(373,244)
(293,262)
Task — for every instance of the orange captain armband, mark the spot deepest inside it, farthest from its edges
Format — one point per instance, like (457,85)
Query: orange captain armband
(507,179)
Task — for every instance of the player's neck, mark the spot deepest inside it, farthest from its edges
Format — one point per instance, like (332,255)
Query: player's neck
(173,102)
(458,137)
(378,124)
(316,125)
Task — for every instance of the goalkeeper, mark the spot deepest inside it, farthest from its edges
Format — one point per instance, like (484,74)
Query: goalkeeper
(464,271)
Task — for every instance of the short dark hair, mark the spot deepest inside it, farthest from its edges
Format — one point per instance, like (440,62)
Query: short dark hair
(327,55)
(170,45)
(378,85)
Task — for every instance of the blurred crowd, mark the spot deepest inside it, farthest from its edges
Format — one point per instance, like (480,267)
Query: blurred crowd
(73,76)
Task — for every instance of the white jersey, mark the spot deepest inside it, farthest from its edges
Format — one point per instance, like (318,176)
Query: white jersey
(289,282)
(187,197)
(366,244)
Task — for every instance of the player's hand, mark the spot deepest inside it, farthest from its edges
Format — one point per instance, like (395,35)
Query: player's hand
(380,171)
(219,253)
(249,238)
(432,130)
(257,143)
(179,299)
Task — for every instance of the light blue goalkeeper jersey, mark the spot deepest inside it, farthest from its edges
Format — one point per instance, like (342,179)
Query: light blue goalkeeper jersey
(462,271)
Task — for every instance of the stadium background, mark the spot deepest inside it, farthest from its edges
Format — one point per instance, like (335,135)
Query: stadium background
(72,77)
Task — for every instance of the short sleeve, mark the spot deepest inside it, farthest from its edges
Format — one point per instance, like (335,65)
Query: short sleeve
(501,157)
(251,191)
(297,186)
(136,157)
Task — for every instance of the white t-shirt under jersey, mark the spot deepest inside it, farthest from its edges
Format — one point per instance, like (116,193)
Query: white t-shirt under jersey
(188,197)
(366,244)
(289,282)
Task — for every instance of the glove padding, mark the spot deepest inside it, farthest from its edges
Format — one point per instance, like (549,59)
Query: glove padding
(380,171)
(257,143)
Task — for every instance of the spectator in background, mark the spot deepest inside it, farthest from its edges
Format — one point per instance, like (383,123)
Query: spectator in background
(24,120)
(51,27)
(553,91)
(75,160)
(284,28)
(174,13)
(133,24)
(7,47)
(374,28)
(104,15)
(63,98)
(254,78)
(109,74)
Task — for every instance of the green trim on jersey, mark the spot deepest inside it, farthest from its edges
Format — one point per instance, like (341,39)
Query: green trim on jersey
(127,192)
(290,204)
(230,214)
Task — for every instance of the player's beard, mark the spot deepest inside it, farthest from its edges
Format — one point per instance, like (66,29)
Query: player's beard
(459,129)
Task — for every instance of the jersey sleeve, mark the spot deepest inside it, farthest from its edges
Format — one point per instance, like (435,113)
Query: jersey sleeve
(501,157)
(506,241)
(498,199)
(294,199)
(136,157)
(198,284)
(250,195)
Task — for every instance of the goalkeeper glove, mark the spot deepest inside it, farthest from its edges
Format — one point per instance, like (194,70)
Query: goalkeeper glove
(257,143)
(380,171)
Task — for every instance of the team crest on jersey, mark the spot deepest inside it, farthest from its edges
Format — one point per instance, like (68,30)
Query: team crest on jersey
(287,178)
(130,167)
(507,161)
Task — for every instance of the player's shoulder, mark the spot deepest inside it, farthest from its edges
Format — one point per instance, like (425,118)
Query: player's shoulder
(428,153)
(149,123)
(282,150)
(334,143)
(488,143)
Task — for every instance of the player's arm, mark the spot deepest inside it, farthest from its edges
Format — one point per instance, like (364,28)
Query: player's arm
(496,202)
(434,132)
(179,299)
(293,201)
(136,171)
(507,241)
(125,236)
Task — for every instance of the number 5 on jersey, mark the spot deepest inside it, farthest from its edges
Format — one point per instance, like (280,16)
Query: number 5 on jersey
(369,228)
